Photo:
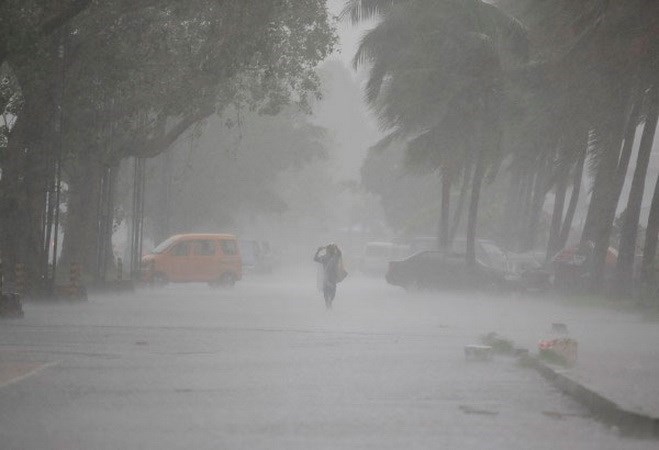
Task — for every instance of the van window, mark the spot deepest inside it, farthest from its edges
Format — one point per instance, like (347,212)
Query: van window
(229,247)
(181,249)
(205,248)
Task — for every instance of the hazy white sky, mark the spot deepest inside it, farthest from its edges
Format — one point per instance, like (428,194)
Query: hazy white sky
(342,111)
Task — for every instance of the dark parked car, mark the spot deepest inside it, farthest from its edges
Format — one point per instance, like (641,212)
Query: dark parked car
(527,272)
(494,268)
(434,269)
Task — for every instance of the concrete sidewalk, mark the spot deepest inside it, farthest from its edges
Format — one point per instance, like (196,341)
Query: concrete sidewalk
(618,359)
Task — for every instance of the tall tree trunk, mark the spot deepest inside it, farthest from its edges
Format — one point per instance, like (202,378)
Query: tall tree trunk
(651,236)
(457,214)
(105,220)
(473,210)
(35,214)
(23,186)
(574,200)
(540,190)
(511,210)
(629,232)
(525,207)
(80,243)
(11,197)
(606,194)
(28,172)
(557,214)
(162,209)
(630,135)
(444,231)
(604,205)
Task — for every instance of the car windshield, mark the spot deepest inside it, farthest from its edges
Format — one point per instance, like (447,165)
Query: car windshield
(164,245)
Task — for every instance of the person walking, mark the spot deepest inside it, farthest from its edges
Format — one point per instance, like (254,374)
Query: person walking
(333,272)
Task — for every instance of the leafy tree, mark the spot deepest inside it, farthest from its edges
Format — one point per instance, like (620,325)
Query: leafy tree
(23,23)
(209,181)
(134,76)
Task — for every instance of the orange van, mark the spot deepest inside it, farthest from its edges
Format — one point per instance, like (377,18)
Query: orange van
(211,258)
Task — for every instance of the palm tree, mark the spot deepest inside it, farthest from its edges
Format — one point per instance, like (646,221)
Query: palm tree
(593,52)
(437,80)
(628,235)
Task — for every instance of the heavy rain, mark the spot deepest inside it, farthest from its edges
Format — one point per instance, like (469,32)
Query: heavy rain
(328,224)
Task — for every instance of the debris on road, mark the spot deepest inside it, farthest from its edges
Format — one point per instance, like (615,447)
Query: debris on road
(498,344)
(478,352)
(471,410)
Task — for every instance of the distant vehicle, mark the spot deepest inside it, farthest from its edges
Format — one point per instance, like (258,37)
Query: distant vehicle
(488,253)
(435,269)
(526,272)
(573,265)
(210,258)
(257,257)
(423,243)
(438,270)
(377,255)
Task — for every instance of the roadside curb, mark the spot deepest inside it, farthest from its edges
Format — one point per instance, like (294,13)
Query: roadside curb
(629,422)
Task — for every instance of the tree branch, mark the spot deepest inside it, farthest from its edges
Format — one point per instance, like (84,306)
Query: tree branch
(155,146)
(53,24)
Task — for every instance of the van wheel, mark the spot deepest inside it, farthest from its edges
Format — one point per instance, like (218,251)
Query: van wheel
(159,279)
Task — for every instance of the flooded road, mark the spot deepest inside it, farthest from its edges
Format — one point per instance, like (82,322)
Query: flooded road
(264,365)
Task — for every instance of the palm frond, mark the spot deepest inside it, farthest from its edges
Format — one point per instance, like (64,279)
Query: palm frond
(375,82)
(513,32)
(386,141)
(386,39)
(424,153)
(362,10)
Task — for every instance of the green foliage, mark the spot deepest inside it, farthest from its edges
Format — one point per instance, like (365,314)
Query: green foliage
(128,77)
(409,200)
(175,65)
(437,73)
(138,73)
(224,172)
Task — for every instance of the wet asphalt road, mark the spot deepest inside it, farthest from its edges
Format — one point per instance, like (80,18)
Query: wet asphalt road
(265,366)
